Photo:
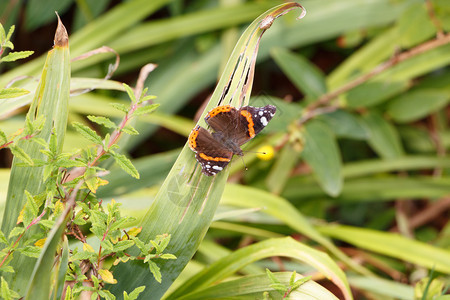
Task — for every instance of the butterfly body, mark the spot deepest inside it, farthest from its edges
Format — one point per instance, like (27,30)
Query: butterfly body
(232,128)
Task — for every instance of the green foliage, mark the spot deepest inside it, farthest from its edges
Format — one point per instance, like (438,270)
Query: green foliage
(285,291)
(360,137)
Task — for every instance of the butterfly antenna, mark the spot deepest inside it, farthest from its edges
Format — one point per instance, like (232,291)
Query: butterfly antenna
(245,166)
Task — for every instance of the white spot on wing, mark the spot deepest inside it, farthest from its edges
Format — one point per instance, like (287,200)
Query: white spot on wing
(263,121)
(260,113)
(217,168)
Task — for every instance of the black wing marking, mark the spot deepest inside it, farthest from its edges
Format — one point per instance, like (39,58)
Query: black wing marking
(252,120)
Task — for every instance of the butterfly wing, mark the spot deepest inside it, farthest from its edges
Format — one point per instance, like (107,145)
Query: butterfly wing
(252,120)
(212,155)
(223,119)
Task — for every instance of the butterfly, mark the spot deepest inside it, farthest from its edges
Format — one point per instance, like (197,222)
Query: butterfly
(232,128)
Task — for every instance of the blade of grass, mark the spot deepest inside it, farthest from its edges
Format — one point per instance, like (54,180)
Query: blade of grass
(40,283)
(286,247)
(392,244)
(255,286)
(185,204)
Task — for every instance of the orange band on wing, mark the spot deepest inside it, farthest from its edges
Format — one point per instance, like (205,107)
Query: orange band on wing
(218,110)
(206,157)
(251,125)
(193,138)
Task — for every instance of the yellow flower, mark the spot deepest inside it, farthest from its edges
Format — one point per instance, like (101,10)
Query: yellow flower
(265,152)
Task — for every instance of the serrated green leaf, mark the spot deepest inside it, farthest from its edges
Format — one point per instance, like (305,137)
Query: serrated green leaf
(69,295)
(125,164)
(134,294)
(102,121)
(53,144)
(30,251)
(155,270)
(3,238)
(6,292)
(3,138)
(292,279)
(146,109)
(168,256)
(272,278)
(8,44)
(299,282)
(90,178)
(81,255)
(107,245)
(147,98)
(279,287)
(141,245)
(7,269)
(16,231)
(164,242)
(87,132)
(47,223)
(120,106)
(14,92)
(156,246)
(123,245)
(31,209)
(40,141)
(130,92)
(2,34)
(20,154)
(10,32)
(13,56)
(130,130)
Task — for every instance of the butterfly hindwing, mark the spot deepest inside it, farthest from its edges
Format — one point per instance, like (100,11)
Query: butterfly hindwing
(213,156)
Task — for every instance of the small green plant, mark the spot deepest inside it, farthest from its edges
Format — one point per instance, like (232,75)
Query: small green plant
(5,43)
(285,290)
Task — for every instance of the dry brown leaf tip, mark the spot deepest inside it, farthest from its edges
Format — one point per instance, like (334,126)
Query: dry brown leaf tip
(61,36)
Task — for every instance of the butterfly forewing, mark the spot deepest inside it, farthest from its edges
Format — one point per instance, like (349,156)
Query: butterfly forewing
(255,119)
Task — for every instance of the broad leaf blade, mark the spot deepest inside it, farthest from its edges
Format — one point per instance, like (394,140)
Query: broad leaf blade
(394,245)
(286,247)
(51,102)
(40,283)
(185,204)
(322,153)
(252,287)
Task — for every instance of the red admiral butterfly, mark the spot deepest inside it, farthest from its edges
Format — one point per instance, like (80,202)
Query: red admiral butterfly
(232,128)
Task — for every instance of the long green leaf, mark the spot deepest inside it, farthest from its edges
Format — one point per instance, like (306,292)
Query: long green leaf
(393,245)
(185,204)
(40,283)
(287,247)
(241,196)
(51,102)
(322,153)
(306,77)
(252,287)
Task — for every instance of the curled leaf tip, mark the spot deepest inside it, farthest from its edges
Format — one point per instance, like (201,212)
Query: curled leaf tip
(303,14)
(283,9)
(61,36)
